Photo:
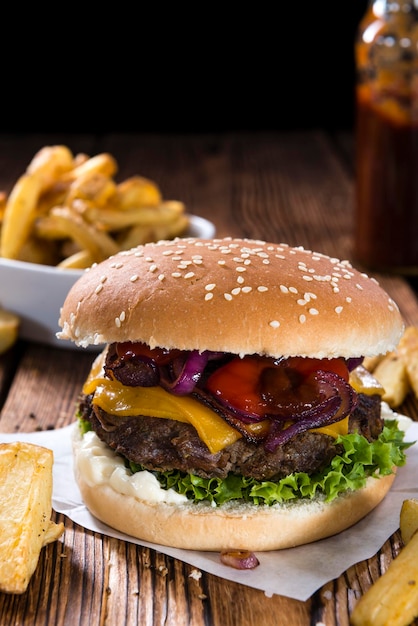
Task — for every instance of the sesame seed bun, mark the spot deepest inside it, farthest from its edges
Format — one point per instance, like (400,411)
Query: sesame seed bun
(241,297)
(233,295)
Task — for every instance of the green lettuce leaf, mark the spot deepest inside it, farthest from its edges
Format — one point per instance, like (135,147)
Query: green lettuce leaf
(349,470)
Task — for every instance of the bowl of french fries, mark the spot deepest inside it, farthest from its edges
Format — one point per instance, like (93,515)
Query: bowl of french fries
(66,212)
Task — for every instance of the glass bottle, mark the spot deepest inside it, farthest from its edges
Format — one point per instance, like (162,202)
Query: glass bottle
(386,199)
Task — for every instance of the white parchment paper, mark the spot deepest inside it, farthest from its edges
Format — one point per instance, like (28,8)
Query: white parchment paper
(295,573)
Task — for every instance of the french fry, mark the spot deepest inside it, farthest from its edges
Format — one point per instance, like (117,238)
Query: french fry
(25,512)
(134,236)
(393,599)
(392,375)
(112,219)
(19,215)
(69,211)
(100,164)
(49,163)
(97,189)
(62,222)
(171,229)
(409,519)
(77,261)
(136,192)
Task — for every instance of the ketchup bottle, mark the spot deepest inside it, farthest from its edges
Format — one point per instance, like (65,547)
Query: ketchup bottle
(386,199)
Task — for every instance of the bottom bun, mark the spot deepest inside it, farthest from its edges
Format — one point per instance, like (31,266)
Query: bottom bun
(230,526)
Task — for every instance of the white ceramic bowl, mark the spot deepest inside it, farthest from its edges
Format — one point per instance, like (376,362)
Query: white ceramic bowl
(36,292)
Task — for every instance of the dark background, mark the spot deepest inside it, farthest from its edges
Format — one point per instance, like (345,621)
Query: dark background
(202,69)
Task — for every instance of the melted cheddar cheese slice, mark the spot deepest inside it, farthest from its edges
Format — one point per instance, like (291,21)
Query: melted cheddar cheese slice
(117,399)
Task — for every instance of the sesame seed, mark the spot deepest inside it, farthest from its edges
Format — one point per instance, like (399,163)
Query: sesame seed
(274,324)
(176,274)
(161,277)
(261,288)
(221,262)
(348,299)
(240,279)
(241,269)
(359,287)
(209,296)
(117,322)
(153,268)
(189,275)
(284,289)
(227,296)
(247,289)
(302,319)
(308,278)
(98,289)
(122,316)
(210,286)
(314,311)
(338,309)
(293,290)
(301,302)
(134,278)
(236,291)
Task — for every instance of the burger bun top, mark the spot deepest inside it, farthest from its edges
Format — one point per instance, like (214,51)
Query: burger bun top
(232,295)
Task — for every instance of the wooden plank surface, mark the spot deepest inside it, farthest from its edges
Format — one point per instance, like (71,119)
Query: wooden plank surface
(292,187)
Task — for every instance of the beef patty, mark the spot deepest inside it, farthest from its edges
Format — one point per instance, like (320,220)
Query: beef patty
(163,444)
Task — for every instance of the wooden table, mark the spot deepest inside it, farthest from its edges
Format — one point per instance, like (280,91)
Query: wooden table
(291,187)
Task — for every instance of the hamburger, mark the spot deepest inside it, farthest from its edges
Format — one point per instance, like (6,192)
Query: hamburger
(228,407)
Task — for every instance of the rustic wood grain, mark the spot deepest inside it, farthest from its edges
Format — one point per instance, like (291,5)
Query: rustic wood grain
(292,187)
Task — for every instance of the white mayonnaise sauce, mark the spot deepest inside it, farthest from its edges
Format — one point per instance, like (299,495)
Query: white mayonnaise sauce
(99,465)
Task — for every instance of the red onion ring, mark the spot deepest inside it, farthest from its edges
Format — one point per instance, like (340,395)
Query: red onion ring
(239,559)
(190,374)
(340,401)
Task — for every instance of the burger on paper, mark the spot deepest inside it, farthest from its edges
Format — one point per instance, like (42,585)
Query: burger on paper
(229,408)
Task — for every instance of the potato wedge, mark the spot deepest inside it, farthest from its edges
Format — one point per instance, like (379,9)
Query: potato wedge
(392,374)
(371,362)
(393,599)
(409,519)
(25,512)
(9,329)
(408,351)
